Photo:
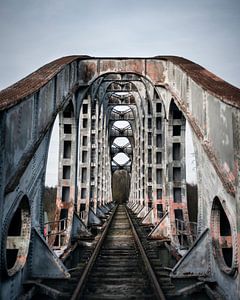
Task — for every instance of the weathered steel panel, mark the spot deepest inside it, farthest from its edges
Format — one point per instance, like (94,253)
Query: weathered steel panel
(19,134)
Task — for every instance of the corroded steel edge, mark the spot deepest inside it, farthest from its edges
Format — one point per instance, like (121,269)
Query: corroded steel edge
(16,93)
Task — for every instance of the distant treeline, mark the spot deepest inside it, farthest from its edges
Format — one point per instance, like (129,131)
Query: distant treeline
(192,200)
(121,184)
(49,203)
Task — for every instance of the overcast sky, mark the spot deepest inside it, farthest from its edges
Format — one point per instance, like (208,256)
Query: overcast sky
(34,32)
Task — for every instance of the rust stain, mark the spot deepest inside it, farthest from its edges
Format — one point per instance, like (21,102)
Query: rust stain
(155,70)
(108,65)
(122,65)
(227,182)
(209,81)
(33,82)
(135,66)
(87,71)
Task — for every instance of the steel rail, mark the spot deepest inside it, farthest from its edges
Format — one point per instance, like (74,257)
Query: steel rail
(158,291)
(82,281)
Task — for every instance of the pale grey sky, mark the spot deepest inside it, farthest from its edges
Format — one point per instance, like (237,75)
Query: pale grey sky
(34,32)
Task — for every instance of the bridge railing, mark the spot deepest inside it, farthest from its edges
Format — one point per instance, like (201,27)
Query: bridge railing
(186,232)
(56,230)
(83,214)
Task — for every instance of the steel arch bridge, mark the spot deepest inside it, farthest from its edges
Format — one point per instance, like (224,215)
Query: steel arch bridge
(155,97)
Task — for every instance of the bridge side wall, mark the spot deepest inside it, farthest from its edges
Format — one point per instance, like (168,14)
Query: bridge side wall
(26,135)
(215,131)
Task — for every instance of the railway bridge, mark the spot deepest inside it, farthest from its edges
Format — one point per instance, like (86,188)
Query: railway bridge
(122,124)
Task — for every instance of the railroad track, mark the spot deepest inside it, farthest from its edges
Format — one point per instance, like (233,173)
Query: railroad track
(119,266)
(121,269)
(162,261)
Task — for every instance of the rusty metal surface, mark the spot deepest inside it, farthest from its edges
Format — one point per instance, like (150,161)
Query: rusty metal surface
(209,81)
(33,82)
(25,148)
